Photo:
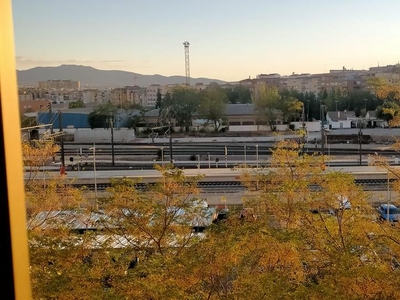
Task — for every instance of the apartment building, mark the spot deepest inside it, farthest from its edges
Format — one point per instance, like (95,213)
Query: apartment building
(96,96)
(126,96)
(59,84)
(344,79)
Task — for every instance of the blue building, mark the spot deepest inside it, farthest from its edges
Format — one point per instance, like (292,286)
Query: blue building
(71,118)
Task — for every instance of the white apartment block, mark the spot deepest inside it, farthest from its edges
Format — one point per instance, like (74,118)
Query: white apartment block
(151,94)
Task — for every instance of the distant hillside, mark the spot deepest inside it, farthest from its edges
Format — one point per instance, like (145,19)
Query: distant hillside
(94,77)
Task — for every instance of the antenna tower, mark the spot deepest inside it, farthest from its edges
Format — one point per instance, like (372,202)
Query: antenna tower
(187,67)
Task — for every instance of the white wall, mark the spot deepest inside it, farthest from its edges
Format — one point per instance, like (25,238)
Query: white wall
(99,135)
(336,125)
(310,126)
(241,128)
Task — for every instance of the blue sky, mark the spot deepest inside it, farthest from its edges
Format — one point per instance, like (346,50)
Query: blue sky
(229,39)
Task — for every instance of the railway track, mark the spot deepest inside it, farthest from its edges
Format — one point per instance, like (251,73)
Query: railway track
(189,150)
(233,186)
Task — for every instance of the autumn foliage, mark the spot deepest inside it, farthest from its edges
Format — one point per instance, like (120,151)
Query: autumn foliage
(141,243)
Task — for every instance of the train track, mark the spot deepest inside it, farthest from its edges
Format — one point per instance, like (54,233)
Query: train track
(189,150)
(234,186)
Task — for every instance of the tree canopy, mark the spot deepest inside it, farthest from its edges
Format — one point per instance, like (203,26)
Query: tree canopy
(139,241)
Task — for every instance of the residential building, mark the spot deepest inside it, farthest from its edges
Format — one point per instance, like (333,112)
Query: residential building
(59,84)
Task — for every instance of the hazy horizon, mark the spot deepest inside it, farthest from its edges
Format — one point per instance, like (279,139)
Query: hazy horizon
(228,41)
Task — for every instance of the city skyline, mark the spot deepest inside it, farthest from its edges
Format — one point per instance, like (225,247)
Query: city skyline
(228,41)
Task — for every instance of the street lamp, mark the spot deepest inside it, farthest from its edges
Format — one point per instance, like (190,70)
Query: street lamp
(308,108)
(359,141)
(170,136)
(94,170)
(336,101)
(112,139)
(388,196)
(245,159)
(257,156)
(322,129)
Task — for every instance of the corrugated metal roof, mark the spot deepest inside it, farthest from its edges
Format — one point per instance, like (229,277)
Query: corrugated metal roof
(336,116)
(74,220)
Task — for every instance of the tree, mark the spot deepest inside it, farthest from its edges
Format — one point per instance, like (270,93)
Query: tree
(267,103)
(389,92)
(136,120)
(332,243)
(35,154)
(76,104)
(238,94)
(183,103)
(292,108)
(159,99)
(99,117)
(212,106)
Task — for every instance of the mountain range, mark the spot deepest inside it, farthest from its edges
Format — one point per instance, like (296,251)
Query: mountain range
(91,77)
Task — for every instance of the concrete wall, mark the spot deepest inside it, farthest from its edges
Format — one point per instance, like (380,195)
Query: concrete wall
(103,135)
(98,135)
(310,126)
(243,128)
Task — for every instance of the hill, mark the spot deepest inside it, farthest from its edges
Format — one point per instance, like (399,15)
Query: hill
(91,77)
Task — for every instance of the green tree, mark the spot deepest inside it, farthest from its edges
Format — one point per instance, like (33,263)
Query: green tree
(389,92)
(212,105)
(267,104)
(100,116)
(76,104)
(238,94)
(183,103)
(159,99)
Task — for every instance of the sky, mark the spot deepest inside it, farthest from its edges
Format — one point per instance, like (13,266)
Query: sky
(229,40)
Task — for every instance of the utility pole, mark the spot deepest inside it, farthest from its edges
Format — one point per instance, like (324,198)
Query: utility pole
(360,141)
(170,142)
(112,140)
(304,132)
(50,118)
(322,131)
(60,122)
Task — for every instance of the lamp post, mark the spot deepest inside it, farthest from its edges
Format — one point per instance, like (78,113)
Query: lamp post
(226,156)
(322,130)
(257,156)
(170,138)
(336,104)
(112,140)
(388,196)
(162,155)
(360,141)
(308,109)
(94,170)
(245,159)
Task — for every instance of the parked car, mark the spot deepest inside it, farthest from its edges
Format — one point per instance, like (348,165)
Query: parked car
(388,212)
(342,204)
